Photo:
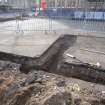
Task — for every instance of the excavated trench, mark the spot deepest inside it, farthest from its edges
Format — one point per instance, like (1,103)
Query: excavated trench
(52,61)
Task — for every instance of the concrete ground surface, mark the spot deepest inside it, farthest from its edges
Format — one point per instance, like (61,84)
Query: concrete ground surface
(29,45)
(60,26)
(88,50)
(33,36)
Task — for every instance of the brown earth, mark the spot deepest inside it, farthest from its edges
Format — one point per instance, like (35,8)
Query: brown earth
(41,88)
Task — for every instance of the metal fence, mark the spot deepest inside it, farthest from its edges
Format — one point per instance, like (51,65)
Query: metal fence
(18,29)
(59,20)
(65,22)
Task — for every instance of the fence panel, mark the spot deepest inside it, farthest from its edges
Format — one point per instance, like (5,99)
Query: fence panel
(55,19)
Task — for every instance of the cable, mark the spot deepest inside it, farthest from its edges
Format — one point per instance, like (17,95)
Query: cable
(98,65)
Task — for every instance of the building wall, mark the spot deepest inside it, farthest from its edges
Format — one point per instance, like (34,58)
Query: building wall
(76,4)
(55,3)
(17,3)
(67,3)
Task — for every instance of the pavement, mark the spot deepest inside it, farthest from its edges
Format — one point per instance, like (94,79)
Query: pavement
(87,50)
(60,26)
(29,45)
(33,36)
(27,37)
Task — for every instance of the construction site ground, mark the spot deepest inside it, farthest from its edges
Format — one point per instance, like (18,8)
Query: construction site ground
(48,89)
(41,88)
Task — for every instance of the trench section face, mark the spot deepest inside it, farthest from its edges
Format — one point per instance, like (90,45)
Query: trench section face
(52,61)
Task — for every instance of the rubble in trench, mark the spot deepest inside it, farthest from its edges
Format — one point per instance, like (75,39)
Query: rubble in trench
(38,87)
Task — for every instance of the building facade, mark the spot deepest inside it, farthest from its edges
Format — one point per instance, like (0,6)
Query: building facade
(77,4)
(85,4)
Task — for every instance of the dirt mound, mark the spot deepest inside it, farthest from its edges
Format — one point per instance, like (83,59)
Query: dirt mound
(41,88)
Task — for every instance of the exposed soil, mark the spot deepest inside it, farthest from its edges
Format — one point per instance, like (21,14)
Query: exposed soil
(41,88)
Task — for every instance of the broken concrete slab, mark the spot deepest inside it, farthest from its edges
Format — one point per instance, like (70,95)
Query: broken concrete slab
(26,45)
(87,50)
